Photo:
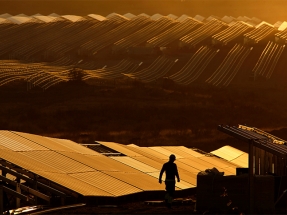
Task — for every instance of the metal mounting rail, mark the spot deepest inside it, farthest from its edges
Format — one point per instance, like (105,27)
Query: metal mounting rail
(52,190)
(27,189)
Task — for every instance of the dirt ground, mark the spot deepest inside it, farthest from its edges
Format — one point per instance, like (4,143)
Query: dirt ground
(143,115)
(133,208)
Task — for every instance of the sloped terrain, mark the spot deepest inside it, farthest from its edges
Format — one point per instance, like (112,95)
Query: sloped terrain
(143,115)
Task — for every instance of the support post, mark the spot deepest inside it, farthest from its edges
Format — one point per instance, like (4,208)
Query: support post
(18,190)
(36,188)
(251,178)
(1,198)
(63,201)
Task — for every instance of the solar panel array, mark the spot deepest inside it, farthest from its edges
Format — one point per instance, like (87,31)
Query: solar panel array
(89,173)
(189,162)
(45,50)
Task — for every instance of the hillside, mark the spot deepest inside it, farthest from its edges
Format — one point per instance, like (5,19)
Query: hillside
(142,114)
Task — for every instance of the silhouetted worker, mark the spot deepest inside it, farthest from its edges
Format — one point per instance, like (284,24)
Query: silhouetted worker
(171,172)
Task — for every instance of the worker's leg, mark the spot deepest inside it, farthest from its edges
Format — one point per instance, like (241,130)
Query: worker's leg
(170,188)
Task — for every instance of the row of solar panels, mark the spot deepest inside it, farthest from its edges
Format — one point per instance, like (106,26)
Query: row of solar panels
(22,18)
(39,74)
(261,139)
(89,173)
(46,75)
(87,37)
(268,60)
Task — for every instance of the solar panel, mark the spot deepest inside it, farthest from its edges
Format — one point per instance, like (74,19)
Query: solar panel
(25,162)
(75,147)
(149,153)
(58,161)
(16,143)
(191,152)
(227,152)
(120,148)
(95,162)
(108,164)
(106,183)
(153,154)
(196,163)
(74,184)
(187,167)
(218,162)
(179,150)
(165,151)
(188,177)
(135,164)
(229,171)
(179,185)
(45,142)
(140,180)
(148,161)
(242,160)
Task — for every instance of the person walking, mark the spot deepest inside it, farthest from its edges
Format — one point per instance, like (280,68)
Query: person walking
(170,169)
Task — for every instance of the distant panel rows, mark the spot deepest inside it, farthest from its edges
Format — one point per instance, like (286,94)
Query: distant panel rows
(48,50)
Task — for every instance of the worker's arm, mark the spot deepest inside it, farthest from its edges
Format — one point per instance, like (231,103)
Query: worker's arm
(160,174)
(176,174)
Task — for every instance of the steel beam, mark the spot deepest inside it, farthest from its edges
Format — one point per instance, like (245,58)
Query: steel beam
(1,199)
(27,189)
(17,195)
(44,186)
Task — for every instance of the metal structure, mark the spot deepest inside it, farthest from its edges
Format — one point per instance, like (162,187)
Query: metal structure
(44,51)
(50,171)
(269,152)
(267,156)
